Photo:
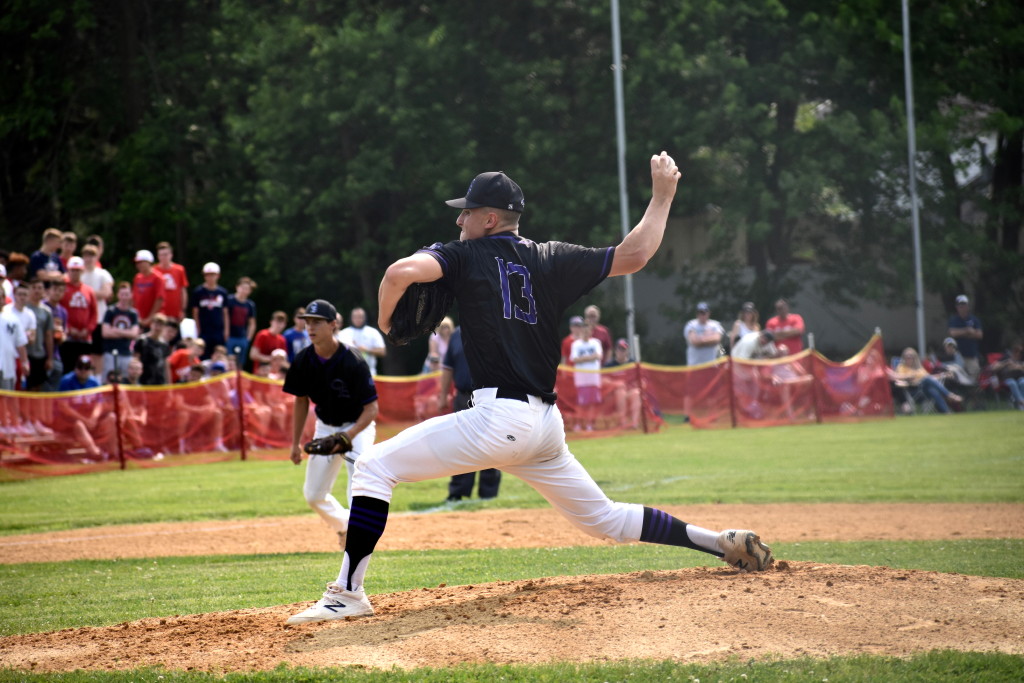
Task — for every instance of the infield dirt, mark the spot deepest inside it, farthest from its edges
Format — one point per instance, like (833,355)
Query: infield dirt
(702,614)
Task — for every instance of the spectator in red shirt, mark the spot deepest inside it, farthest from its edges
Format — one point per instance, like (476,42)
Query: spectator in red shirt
(80,302)
(175,282)
(787,327)
(182,359)
(148,288)
(269,339)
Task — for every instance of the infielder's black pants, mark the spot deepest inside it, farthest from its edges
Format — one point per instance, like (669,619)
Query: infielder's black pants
(461,485)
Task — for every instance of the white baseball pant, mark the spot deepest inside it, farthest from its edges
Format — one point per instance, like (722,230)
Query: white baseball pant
(322,471)
(524,439)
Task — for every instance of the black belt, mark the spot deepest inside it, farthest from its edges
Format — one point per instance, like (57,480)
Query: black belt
(519,396)
(513,394)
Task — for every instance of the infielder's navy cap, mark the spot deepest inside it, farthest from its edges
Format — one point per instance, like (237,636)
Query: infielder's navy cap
(319,308)
(494,189)
(703,306)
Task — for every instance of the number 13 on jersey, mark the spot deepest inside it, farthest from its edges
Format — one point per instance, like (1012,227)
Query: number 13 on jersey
(506,271)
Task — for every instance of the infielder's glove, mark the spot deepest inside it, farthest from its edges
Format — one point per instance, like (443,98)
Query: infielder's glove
(329,445)
(419,311)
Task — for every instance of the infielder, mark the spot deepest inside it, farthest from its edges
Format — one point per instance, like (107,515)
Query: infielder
(512,294)
(338,382)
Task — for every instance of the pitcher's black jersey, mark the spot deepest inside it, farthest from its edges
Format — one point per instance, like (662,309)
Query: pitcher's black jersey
(512,294)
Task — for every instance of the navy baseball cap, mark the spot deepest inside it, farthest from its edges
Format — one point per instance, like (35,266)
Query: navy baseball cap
(493,189)
(320,308)
(703,307)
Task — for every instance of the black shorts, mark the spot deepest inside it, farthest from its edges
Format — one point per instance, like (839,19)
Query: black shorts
(36,372)
(97,341)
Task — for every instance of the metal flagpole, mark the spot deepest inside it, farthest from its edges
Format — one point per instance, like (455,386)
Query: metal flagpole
(908,79)
(620,134)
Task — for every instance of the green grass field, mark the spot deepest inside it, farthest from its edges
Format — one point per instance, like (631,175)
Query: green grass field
(961,458)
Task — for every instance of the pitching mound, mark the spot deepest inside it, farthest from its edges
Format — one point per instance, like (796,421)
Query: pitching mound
(796,609)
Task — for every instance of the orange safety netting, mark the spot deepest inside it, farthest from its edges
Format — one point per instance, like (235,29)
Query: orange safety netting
(112,426)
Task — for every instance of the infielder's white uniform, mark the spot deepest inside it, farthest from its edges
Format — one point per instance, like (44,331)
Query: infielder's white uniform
(322,471)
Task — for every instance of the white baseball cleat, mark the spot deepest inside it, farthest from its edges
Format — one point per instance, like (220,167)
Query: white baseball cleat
(744,550)
(337,603)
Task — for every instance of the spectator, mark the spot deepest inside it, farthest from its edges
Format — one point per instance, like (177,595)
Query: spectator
(41,350)
(965,328)
(364,339)
(80,302)
(209,308)
(592,316)
(120,330)
(6,288)
(455,370)
(55,289)
(97,242)
(19,308)
(13,350)
(47,257)
(133,376)
(1010,371)
(277,368)
(586,354)
(268,340)
(183,358)
(437,345)
(153,349)
(575,332)
(910,373)
(200,418)
(219,355)
(68,246)
(100,279)
(787,327)
(756,345)
(951,363)
(703,337)
(148,289)
(296,336)
(752,346)
(175,283)
(241,319)
(621,355)
(90,417)
(746,321)
(17,269)
(624,387)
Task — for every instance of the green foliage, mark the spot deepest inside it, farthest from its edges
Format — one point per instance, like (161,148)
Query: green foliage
(308,146)
(947,665)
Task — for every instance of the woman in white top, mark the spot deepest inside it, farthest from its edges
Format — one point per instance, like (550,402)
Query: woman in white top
(747,321)
(438,345)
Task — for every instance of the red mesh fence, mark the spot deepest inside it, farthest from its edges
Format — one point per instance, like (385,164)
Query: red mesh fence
(114,427)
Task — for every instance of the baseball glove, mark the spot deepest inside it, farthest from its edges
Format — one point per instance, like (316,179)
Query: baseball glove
(419,311)
(329,445)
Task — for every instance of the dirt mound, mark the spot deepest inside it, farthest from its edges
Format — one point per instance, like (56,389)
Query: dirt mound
(515,529)
(796,609)
(703,614)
